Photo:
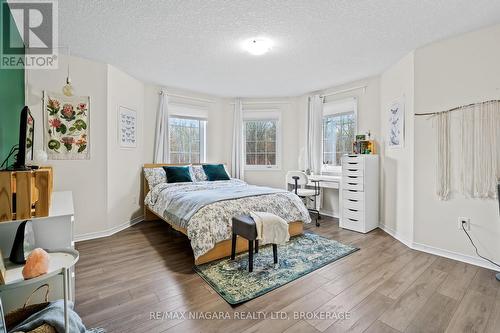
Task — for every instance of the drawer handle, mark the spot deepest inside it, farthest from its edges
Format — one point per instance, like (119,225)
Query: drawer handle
(352,220)
(353,210)
(353,200)
(352,163)
(352,176)
(352,183)
(352,169)
(355,191)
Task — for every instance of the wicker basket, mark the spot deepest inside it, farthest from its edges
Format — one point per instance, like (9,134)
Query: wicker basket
(12,319)
(45,328)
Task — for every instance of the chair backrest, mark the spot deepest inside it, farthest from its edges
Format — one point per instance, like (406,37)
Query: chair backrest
(303,180)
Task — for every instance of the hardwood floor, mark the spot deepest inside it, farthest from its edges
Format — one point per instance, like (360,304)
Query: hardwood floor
(122,282)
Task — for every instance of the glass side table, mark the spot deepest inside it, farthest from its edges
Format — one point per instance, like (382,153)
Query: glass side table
(60,263)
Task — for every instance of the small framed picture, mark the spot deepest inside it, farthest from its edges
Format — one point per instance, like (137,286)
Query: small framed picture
(127,127)
(396,123)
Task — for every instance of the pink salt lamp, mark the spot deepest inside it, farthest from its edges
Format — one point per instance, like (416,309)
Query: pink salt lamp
(37,264)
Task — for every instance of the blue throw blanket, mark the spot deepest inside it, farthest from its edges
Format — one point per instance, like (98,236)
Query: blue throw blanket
(184,204)
(53,315)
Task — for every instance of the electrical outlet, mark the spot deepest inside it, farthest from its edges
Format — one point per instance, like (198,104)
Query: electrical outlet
(464,220)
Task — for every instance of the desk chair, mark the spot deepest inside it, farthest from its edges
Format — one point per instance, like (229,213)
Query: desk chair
(299,178)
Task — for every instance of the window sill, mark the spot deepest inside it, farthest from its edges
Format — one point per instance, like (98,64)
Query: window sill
(262,168)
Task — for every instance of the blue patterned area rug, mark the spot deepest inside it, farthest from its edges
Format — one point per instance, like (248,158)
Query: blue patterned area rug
(300,256)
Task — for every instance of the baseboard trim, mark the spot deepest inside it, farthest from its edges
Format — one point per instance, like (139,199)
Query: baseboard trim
(396,235)
(476,261)
(109,232)
(328,213)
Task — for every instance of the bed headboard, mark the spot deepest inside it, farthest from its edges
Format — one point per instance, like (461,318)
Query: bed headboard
(145,185)
(149,215)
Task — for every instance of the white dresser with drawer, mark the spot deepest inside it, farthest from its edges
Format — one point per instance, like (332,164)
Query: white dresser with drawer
(359,190)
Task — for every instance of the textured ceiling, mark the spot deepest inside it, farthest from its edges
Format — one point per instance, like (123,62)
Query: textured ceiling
(196,44)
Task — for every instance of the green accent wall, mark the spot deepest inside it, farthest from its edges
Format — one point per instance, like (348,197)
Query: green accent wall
(11,100)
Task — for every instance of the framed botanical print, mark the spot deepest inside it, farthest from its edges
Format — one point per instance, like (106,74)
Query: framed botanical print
(67,126)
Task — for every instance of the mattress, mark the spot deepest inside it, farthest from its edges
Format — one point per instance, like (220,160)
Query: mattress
(210,223)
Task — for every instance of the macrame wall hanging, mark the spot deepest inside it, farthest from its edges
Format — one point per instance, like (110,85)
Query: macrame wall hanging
(478,160)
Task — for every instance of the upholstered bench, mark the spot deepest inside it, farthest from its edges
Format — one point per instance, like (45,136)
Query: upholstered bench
(244,226)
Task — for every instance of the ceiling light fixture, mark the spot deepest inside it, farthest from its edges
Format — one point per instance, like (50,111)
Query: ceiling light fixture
(258,46)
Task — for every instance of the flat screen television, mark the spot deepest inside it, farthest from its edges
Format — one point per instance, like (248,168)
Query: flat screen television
(26,139)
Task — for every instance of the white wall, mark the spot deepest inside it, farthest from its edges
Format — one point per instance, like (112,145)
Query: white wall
(124,165)
(287,108)
(436,77)
(86,178)
(396,199)
(219,124)
(368,120)
(107,188)
(368,108)
(449,73)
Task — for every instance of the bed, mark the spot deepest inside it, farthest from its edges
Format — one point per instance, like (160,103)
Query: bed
(202,211)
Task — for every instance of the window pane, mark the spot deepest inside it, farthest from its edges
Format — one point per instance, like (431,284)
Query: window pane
(250,147)
(260,136)
(260,131)
(251,159)
(261,159)
(185,140)
(271,159)
(271,147)
(261,147)
(270,134)
(338,135)
(250,130)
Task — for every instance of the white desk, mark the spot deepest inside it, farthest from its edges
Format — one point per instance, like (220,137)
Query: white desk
(325,181)
(328,204)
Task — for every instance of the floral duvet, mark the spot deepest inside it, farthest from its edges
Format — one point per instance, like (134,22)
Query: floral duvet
(212,223)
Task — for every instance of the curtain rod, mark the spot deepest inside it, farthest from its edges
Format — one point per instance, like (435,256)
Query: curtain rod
(344,91)
(262,102)
(456,108)
(187,97)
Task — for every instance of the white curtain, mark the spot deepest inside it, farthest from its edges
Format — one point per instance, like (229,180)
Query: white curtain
(480,139)
(444,155)
(314,134)
(237,156)
(162,147)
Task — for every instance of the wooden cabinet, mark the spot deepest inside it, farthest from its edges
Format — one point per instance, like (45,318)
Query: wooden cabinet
(25,194)
(359,190)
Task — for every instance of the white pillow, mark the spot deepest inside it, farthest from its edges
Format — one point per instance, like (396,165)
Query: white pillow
(198,174)
(155,176)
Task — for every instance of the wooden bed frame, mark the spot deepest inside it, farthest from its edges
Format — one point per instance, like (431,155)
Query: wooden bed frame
(221,249)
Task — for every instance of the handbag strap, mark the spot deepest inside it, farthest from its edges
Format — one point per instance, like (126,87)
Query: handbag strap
(34,291)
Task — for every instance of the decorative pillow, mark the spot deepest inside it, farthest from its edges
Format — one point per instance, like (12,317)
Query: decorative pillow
(199,174)
(155,176)
(215,172)
(178,174)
